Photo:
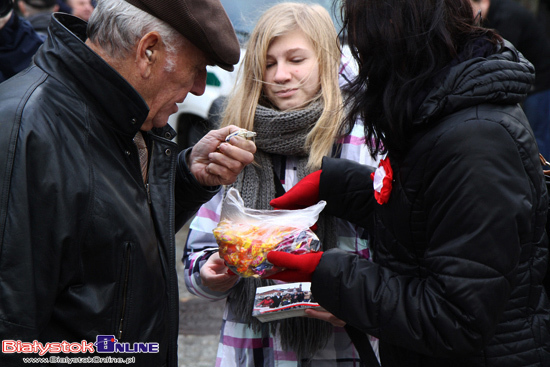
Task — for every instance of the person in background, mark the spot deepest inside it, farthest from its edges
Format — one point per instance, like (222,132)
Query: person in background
(276,300)
(459,201)
(93,189)
(81,8)
(543,15)
(287,92)
(18,41)
(63,7)
(38,13)
(266,302)
(520,26)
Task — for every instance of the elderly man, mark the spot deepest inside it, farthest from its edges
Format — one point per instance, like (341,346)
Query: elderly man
(92,189)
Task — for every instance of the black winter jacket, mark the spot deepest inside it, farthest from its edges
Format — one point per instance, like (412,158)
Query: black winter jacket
(460,248)
(86,248)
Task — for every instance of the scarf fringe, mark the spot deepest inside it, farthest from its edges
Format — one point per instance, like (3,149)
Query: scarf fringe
(283,133)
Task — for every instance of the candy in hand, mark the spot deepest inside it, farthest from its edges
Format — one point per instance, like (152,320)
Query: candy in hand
(244,247)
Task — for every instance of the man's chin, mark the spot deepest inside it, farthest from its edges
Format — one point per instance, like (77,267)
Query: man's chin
(159,121)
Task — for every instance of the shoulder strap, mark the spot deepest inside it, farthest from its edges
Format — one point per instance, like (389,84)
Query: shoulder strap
(278,163)
(279,189)
(363,346)
(546,164)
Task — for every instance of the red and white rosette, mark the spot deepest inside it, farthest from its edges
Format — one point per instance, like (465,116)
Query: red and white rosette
(382,181)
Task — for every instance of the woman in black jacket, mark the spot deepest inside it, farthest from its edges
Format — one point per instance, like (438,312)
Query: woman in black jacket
(458,206)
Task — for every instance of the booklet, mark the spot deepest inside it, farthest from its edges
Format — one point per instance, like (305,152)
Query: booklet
(282,301)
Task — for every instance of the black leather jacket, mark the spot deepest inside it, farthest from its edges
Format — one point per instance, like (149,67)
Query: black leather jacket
(460,248)
(86,248)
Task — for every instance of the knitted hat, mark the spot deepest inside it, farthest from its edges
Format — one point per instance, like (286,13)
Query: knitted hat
(203,22)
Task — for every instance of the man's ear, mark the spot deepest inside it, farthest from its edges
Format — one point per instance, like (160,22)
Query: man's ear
(147,53)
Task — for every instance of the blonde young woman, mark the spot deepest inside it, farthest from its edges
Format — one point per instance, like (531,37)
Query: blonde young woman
(288,92)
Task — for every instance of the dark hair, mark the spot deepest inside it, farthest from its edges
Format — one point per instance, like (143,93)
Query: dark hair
(401,46)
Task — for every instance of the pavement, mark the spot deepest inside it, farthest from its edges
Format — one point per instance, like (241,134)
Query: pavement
(200,320)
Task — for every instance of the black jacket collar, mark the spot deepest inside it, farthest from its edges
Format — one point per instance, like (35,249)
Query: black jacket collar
(65,53)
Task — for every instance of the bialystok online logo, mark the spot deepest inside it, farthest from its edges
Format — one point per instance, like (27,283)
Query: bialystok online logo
(103,344)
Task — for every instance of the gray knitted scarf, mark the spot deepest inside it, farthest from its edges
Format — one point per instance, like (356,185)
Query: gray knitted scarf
(280,133)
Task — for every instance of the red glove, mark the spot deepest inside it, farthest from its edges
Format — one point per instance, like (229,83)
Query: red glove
(305,193)
(298,268)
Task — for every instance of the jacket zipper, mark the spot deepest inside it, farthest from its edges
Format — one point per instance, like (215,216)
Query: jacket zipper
(172,276)
(148,189)
(124,290)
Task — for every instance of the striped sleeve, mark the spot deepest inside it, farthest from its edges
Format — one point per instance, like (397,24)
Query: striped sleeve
(200,245)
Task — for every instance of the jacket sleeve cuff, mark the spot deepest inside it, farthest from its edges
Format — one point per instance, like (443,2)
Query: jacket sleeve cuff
(326,292)
(185,177)
(347,188)
(189,193)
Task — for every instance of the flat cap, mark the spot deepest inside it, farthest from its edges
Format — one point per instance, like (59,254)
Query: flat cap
(203,22)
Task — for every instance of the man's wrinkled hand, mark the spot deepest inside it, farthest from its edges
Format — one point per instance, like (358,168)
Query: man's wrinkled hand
(213,161)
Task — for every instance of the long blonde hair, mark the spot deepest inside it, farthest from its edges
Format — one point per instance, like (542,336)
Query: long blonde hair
(315,22)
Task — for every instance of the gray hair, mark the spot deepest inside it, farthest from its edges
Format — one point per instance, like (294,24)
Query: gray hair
(116,26)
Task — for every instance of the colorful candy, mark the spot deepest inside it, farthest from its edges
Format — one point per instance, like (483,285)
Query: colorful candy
(244,247)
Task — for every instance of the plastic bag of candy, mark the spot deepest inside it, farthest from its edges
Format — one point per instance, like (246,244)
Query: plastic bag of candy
(246,235)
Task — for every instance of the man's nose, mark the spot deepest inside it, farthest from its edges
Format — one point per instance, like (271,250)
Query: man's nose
(199,84)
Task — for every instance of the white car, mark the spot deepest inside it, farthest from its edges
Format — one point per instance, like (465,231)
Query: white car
(199,114)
